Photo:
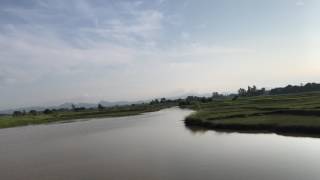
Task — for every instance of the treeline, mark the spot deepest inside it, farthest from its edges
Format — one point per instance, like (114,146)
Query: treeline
(191,99)
(99,107)
(34,112)
(161,101)
(296,89)
(181,101)
(195,99)
(254,91)
(52,111)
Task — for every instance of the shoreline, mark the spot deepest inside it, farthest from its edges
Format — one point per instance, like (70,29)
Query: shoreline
(11,121)
(296,113)
(255,128)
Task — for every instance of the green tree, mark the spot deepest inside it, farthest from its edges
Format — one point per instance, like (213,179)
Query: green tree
(73,107)
(100,107)
(33,112)
(47,111)
(17,113)
(242,92)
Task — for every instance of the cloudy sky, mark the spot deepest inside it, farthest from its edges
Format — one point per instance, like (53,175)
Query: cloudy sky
(53,51)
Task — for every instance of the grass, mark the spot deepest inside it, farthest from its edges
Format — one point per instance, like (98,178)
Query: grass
(294,113)
(276,120)
(12,121)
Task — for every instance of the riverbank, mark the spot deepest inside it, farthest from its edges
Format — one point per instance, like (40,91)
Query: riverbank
(291,113)
(117,111)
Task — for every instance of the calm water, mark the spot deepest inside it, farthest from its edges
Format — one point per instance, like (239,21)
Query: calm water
(152,146)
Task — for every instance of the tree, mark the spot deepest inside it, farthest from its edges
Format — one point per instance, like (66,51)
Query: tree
(235,98)
(155,101)
(47,111)
(33,112)
(215,94)
(242,92)
(80,109)
(17,113)
(73,107)
(296,89)
(251,91)
(262,91)
(100,107)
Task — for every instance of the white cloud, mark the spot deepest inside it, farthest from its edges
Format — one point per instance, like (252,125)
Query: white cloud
(36,54)
(201,53)
(38,48)
(143,27)
(300,3)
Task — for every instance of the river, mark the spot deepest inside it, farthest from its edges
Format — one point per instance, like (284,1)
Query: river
(151,146)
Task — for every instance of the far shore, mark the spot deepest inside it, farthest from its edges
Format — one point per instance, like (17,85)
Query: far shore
(296,113)
(71,115)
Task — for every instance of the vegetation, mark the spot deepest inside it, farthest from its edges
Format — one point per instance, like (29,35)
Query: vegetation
(254,91)
(309,87)
(296,113)
(20,118)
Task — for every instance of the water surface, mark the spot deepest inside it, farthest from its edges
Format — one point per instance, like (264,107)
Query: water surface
(152,146)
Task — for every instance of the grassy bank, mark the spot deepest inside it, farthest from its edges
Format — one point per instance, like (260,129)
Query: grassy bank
(41,118)
(290,113)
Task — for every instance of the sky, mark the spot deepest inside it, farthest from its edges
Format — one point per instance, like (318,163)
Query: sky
(56,51)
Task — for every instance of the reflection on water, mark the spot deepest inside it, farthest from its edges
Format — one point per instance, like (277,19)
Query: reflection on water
(203,130)
(152,146)
(196,129)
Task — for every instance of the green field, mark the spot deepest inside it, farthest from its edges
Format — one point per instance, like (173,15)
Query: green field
(277,113)
(41,118)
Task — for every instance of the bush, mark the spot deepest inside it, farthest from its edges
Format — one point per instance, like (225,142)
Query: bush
(47,111)
(17,113)
(33,112)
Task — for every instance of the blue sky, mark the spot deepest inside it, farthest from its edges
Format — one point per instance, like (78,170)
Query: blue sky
(53,51)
